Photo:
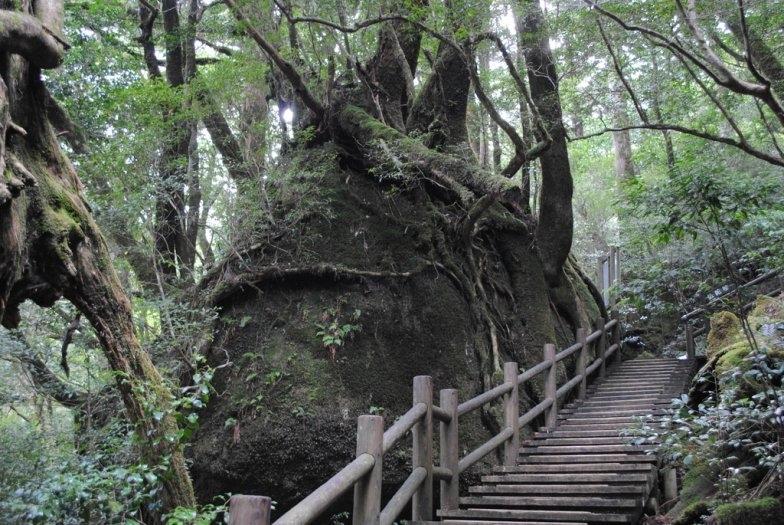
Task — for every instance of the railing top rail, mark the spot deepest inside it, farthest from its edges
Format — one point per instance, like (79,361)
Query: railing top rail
(483,398)
(320,499)
(757,280)
(533,371)
(404,423)
(563,354)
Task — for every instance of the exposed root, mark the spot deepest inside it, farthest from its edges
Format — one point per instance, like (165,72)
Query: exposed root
(230,284)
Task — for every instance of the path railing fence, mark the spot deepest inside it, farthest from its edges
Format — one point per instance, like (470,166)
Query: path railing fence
(696,322)
(425,418)
(609,275)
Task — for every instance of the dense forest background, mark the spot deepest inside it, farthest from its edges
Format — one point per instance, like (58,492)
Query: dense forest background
(240,224)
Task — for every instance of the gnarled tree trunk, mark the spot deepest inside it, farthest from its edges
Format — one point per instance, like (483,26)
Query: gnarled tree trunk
(50,246)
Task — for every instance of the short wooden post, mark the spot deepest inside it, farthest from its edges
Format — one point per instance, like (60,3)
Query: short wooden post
(512,415)
(670,485)
(249,510)
(691,351)
(611,277)
(450,451)
(600,280)
(617,335)
(422,502)
(367,491)
(603,347)
(582,362)
(550,386)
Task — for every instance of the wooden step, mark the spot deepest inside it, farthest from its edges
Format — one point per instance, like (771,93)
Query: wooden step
(505,515)
(586,458)
(578,477)
(554,501)
(575,467)
(469,521)
(607,440)
(552,490)
(587,449)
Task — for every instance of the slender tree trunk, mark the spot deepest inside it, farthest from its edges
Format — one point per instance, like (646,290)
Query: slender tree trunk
(666,135)
(622,142)
(555,226)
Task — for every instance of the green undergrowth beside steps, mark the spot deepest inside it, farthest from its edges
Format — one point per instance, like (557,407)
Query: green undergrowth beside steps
(726,436)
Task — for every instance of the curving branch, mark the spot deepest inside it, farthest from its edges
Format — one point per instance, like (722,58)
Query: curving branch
(777,161)
(286,67)
(709,62)
(27,36)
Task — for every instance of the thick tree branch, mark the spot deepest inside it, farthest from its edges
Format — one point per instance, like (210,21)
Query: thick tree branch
(288,70)
(43,378)
(27,36)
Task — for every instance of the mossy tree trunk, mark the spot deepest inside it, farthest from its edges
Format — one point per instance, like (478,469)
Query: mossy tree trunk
(50,246)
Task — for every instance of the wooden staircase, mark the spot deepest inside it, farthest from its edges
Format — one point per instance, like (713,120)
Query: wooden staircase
(583,471)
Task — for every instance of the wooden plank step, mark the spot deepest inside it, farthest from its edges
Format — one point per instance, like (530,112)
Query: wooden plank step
(602,413)
(578,477)
(573,420)
(606,440)
(586,458)
(575,467)
(559,432)
(587,449)
(503,515)
(618,427)
(555,501)
(585,488)
(469,521)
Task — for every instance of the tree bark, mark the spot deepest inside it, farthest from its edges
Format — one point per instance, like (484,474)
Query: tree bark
(622,142)
(555,228)
(50,247)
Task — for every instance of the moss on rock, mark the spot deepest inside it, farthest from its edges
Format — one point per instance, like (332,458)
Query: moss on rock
(692,513)
(765,511)
(725,328)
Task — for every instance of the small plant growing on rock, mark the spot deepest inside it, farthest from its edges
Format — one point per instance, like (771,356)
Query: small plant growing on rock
(334,333)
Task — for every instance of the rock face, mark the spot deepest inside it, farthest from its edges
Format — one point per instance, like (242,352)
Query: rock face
(337,309)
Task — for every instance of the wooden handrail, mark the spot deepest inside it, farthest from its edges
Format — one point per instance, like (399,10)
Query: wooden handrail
(320,499)
(760,279)
(533,372)
(364,473)
(404,423)
(483,450)
(483,398)
(403,495)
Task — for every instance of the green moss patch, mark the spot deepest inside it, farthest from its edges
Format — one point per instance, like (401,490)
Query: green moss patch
(765,511)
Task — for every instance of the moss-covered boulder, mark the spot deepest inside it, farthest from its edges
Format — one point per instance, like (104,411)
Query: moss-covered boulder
(765,511)
(728,345)
(367,286)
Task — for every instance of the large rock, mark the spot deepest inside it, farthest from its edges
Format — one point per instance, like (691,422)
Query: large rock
(381,269)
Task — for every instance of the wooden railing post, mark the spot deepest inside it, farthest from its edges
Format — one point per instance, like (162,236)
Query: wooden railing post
(691,351)
(249,510)
(600,280)
(422,503)
(582,362)
(450,451)
(550,386)
(617,335)
(512,415)
(602,346)
(367,491)
(611,276)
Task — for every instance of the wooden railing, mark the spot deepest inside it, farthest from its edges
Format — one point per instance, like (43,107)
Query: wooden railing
(364,473)
(696,321)
(609,275)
